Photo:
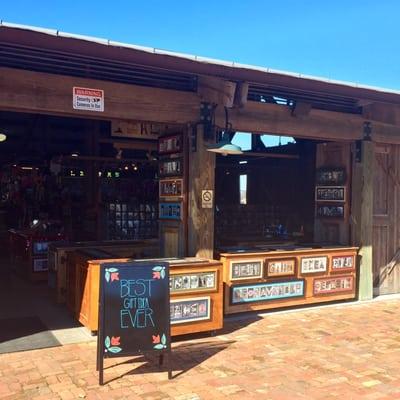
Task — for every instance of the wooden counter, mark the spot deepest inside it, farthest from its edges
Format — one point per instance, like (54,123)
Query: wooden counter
(196,293)
(262,280)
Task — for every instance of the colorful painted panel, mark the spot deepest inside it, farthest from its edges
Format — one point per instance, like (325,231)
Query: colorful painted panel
(190,310)
(333,285)
(267,291)
(312,265)
(193,282)
(344,262)
(246,269)
(170,211)
(284,267)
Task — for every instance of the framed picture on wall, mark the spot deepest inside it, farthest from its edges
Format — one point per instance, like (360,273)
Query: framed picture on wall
(169,210)
(170,144)
(330,211)
(331,176)
(171,187)
(330,193)
(170,167)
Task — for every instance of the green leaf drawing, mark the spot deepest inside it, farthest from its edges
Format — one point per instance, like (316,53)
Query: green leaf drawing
(159,346)
(157,269)
(107,342)
(162,273)
(107,276)
(114,349)
(163,339)
(112,269)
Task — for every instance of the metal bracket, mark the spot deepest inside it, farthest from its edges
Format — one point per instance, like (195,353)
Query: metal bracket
(367,131)
(206,118)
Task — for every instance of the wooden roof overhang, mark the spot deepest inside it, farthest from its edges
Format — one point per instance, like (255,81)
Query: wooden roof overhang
(174,84)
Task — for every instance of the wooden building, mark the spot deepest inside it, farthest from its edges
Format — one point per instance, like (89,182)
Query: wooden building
(127,108)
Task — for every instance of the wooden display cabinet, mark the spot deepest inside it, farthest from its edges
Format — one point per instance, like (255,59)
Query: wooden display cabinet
(255,281)
(196,290)
(58,256)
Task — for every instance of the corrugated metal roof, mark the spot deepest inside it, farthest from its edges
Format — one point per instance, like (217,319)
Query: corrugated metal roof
(198,59)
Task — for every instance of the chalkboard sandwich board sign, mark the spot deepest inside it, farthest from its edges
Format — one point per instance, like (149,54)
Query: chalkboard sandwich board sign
(134,314)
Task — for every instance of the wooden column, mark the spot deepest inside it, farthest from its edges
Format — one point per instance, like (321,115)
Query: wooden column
(200,220)
(362,217)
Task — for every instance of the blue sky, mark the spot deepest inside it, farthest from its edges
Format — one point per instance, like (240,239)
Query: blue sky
(355,40)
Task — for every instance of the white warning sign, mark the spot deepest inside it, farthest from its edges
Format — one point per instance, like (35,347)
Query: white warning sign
(88,99)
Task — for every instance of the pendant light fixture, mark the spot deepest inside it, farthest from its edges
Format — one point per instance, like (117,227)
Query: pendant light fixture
(225,146)
(3,137)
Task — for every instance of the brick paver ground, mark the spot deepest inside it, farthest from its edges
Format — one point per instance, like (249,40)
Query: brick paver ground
(341,352)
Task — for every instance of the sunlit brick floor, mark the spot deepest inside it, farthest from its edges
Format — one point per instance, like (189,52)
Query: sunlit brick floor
(340,352)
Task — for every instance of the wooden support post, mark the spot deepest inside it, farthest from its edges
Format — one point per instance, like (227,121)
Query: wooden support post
(362,217)
(200,220)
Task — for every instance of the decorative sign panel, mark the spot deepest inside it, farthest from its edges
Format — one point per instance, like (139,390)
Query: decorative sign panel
(267,291)
(331,176)
(246,269)
(343,262)
(330,193)
(134,317)
(312,265)
(331,211)
(40,247)
(170,211)
(170,144)
(171,187)
(333,285)
(172,167)
(193,282)
(284,267)
(190,310)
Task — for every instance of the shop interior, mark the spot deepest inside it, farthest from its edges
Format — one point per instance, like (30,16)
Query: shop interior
(77,178)
(265,197)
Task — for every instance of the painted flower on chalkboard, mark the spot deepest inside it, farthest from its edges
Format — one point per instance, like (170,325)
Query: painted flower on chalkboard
(158,272)
(112,344)
(159,344)
(156,339)
(111,274)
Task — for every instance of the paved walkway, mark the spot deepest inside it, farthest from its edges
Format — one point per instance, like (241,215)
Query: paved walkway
(341,352)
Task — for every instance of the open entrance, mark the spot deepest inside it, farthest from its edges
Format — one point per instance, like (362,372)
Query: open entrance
(68,183)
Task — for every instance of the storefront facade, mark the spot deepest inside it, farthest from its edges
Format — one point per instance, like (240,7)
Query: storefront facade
(181,103)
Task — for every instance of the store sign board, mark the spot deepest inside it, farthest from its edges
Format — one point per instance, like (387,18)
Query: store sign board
(134,310)
(88,99)
(193,282)
(284,267)
(246,269)
(267,291)
(190,310)
(312,265)
(330,193)
(343,262)
(333,285)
